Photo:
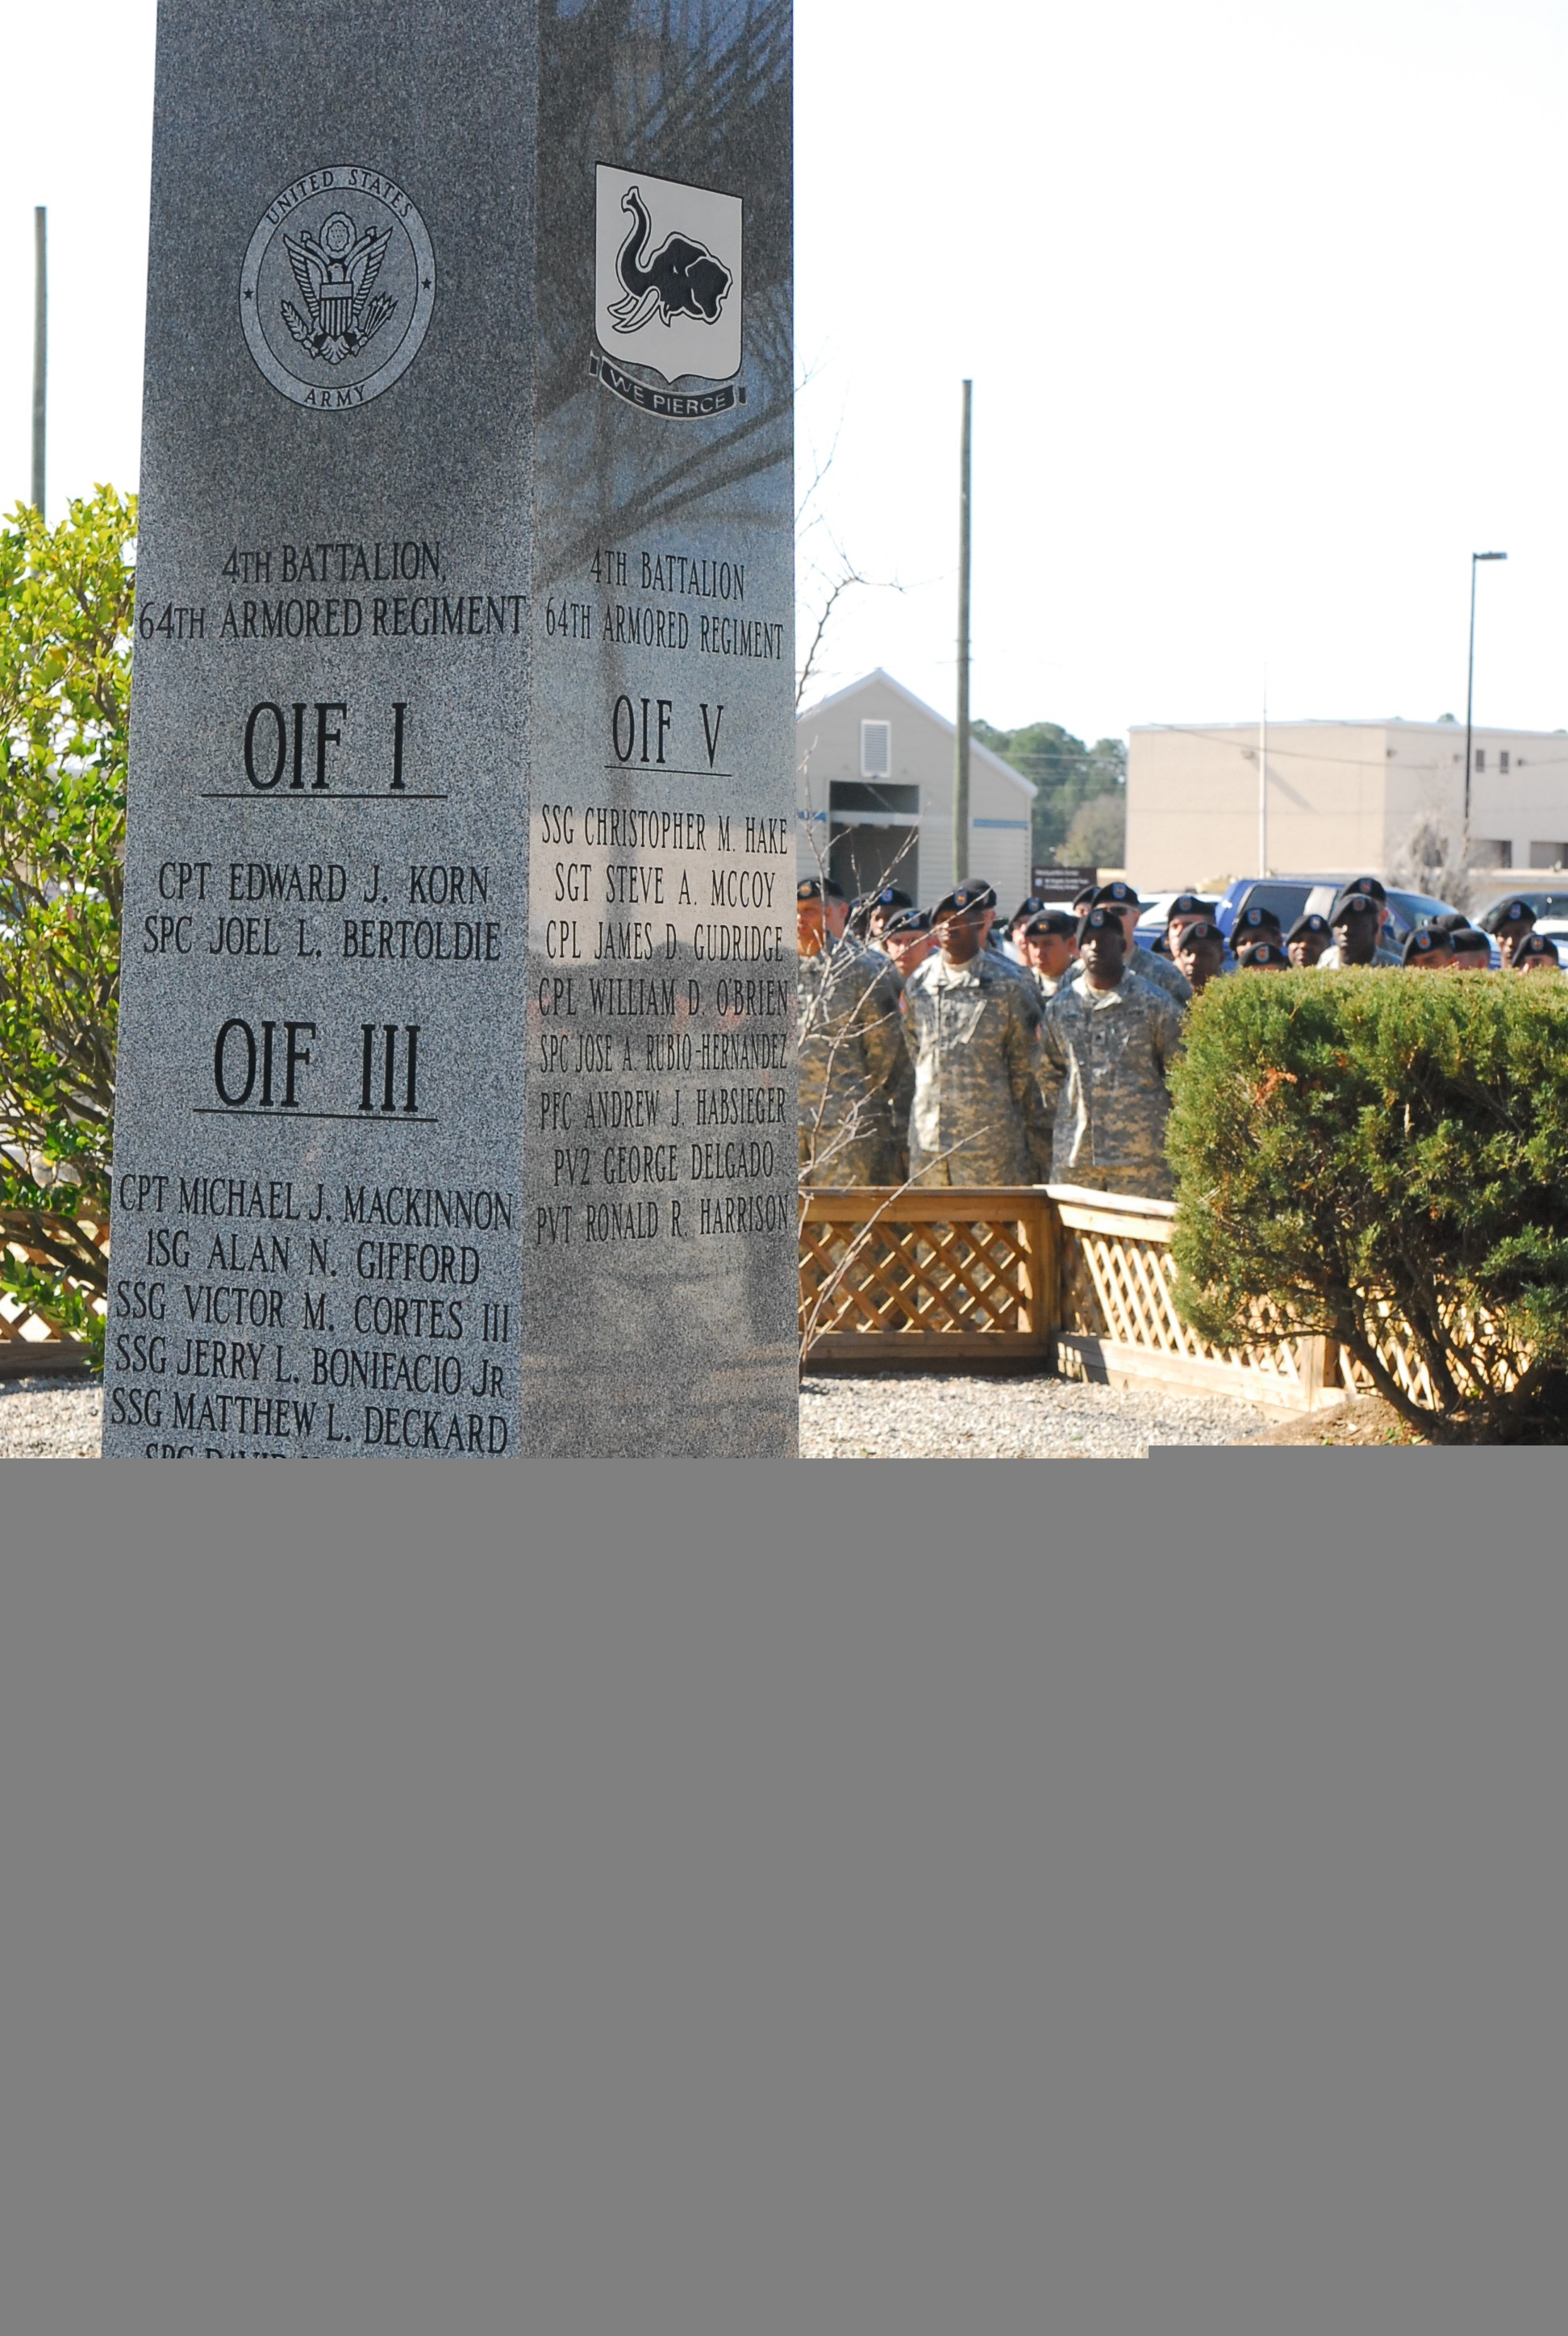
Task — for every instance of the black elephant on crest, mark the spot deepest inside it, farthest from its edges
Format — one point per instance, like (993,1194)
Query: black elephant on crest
(681,279)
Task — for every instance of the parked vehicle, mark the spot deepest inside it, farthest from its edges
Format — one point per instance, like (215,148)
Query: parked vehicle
(1546,903)
(1315,893)
(1290,897)
(1154,916)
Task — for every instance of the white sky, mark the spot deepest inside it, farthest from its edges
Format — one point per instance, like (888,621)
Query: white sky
(1262,300)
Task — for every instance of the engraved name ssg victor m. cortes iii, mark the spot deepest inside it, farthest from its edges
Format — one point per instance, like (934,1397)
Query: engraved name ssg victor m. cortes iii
(337,287)
(667,294)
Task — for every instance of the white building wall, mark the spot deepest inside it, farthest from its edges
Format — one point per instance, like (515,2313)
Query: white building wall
(828,751)
(1341,796)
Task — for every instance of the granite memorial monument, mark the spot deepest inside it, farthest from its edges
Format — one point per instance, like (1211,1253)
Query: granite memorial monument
(455,1109)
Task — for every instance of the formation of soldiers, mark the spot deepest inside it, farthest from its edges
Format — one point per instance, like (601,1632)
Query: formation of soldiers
(929,1053)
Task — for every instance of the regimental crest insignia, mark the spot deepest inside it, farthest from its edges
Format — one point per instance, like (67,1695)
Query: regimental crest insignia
(668,292)
(337,287)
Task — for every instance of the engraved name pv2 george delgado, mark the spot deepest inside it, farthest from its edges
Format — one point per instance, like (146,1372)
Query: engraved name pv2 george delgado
(337,287)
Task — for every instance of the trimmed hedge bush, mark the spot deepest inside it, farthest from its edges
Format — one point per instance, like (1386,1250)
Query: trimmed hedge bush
(67,599)
(1350,1142)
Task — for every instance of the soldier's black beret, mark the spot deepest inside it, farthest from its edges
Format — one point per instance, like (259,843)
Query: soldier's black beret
(907,921)
(1257,920)
(1353,904)
(1536,945)
(818,888)
(1117,895)
(1085,899)
(1368,885)
(1425,942)
(1052,920)
(1517,912)
(889,896)
(963,898)
(1452,921)
(1465,940)
(1188,904)
(1204,930)
(1099,919)
(1313,923)
(1256,956)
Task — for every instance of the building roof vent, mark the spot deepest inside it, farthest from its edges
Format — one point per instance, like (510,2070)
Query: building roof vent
(876,750)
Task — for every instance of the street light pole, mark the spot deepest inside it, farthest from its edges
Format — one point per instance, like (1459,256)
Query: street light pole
(40,348)
(961,736)
(1263,782)
(1475,558)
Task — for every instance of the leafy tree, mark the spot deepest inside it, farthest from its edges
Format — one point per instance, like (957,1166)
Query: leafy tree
(1098,837)
(1354,1150)
(1066,775)
(66,607)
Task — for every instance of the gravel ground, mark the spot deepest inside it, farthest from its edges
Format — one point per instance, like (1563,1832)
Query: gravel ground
(1010,1419)
(840,1418)
(40,1419)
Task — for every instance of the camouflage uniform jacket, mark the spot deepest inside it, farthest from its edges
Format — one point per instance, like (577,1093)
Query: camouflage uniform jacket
(856,1079)
(1049,984)
(972,1031)
(1329,960)
(1027,978)
(1148,967)
(1103,1055)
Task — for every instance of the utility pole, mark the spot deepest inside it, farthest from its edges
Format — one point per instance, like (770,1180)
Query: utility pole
(1476,557)
(961,745)
(40,348)
(1263,782)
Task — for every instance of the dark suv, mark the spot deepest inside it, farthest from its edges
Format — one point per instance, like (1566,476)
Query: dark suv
(1290,897)
(1546,904)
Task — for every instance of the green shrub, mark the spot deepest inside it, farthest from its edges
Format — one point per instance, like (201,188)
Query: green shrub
(1347,1143)
(66,602)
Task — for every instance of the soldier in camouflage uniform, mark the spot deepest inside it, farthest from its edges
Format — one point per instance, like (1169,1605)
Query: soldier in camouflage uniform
(1358,921)
(856,1079)
(1106,1046)
(971,1024)
(1355,940)
(1049,943)
(1141,961)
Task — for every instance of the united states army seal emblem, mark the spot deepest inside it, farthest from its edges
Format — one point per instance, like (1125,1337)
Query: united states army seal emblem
(337,287)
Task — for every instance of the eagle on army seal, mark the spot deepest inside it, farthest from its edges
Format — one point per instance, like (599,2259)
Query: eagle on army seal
(335,272)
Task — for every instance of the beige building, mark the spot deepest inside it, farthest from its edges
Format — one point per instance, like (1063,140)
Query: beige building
(1340,796)
(875,797)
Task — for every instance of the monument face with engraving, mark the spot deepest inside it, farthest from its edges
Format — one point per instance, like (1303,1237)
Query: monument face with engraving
(455,1108)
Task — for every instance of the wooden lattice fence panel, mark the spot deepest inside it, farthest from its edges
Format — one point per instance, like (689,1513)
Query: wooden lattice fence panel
(1089,1276)
(1498,1365)
(887,1275)
(30,1340)
(1118,1310)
